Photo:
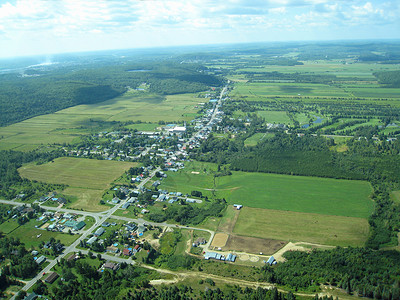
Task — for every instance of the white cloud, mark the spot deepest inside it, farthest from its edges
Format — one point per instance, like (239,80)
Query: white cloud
(58,22)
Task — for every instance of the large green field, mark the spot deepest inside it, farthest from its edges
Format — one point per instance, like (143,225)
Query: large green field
(66,125)
(87,178)
(280,192)
(258,90)
(302,227)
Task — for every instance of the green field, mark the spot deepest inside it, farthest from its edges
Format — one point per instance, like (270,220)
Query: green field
(87,178)
(32,236)
(348,198)
(278,117)
(67,125)
(302,227)
(257,137)
(287,89)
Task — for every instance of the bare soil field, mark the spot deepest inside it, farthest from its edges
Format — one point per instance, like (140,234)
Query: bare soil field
(220,240)
(252,245)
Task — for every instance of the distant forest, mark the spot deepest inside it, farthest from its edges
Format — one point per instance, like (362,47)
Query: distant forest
(40,92)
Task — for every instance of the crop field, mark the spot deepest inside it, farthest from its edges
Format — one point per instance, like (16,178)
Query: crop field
(275,117)
(87,178)
(68,124)
(252,245)
(361,70)
(298,193)
(348,198)
(302,227)
(288,89)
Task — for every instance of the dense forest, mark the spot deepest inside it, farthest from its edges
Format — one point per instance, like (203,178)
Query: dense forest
(359,271)
(46,91)
(391,78)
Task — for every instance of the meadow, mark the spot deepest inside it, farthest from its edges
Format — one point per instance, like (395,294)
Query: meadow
(257,137)
(273,191)
(86,178)
(278,117)
(31,236)
(302,227)
(67,125)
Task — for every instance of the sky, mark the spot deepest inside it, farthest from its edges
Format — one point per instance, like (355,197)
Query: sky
(31,27)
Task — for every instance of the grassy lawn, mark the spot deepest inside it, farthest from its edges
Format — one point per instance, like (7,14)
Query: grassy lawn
(348,198)
(302,227)
(279,117)
(32,236)
(255,138)
(8,226)
(87,178)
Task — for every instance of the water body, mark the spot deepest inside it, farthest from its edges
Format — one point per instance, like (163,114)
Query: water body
(142,70)
(317,121)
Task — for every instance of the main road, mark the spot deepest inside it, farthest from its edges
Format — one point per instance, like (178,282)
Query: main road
(101,217)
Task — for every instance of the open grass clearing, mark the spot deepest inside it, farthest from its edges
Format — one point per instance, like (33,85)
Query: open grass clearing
(87,178)
(278,117)
(273,191)
(302,227)
(257,137)
(298,193)
(288,89)
(31,236)
(77,172)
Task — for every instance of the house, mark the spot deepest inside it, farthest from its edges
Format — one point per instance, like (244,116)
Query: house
(199,241)
(161,197)
(31,296)
(237,206)
(91,240)
(270,260)
(79,225)
(141,229)
(131,227)
(62,200)
(51,278)
(136,249)
(105,224)
(112,249)
(72,257)
(115,200)
(125,205)
(111,266)
(99,231)
(127,252)
(41,259)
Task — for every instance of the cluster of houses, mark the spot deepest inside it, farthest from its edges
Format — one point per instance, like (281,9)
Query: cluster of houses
(53,197)
(218,256)
(58,221)
(132,232)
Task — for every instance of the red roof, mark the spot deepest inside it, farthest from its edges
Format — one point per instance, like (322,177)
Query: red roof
(136,247)
(126,252)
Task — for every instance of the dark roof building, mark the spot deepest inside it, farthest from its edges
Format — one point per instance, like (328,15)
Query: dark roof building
(51,278)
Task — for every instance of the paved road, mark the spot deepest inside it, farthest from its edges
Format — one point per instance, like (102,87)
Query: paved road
(101,217)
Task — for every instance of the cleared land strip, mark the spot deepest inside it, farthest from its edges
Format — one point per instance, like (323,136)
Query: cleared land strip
(302,227)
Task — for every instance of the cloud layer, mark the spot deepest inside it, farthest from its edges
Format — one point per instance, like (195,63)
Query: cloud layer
(50,26)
